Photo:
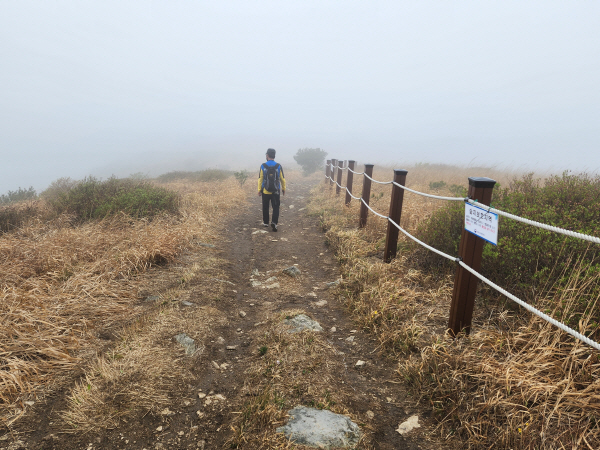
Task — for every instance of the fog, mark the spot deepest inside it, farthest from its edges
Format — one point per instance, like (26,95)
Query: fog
(151,86)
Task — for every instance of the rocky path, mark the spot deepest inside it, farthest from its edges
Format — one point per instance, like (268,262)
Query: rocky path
(249,370)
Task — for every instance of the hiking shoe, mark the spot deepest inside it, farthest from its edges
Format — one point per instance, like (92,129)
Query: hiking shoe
(274,226)
(265,224)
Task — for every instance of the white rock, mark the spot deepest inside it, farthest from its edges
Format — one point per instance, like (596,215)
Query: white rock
(242,314)
(201,395)
(216,365)
(258,232)
(350,339)
(333,329)
(255,283)
(271,280)
(370,415)
(272,286)
(291,207)
(159,428)
(320,303)
(409,425)
(360,363)
(311,294)
(231,347)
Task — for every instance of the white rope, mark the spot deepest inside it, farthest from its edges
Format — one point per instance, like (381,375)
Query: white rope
(372,210)
(350,193)
(451,258)
(340,186)
(459,199)
(574,234)
(520,302)
(378,182)
(531,309)
(355,173)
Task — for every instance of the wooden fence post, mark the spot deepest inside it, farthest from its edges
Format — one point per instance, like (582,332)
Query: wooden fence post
(366,194)
(332,171)
(470,250)
(340,172)
(327,168)
(391,238)
(349,179)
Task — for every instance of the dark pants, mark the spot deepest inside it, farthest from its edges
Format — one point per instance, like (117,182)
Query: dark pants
(274,200)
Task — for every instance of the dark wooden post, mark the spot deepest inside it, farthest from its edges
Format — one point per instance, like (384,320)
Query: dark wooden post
(391,238)
(349,179)
(332,171)
(366,194)
(340,172)
(327,168)
(470,250)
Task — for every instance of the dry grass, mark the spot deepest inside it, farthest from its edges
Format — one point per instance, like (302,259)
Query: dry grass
(296,368)
(515,383)
(63,284)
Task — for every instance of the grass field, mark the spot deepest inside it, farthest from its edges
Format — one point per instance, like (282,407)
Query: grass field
(72,277)
(516,382)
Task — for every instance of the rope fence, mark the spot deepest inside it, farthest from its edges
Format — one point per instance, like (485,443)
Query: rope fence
(469,259)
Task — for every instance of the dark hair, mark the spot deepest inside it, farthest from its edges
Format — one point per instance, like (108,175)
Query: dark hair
(271,153)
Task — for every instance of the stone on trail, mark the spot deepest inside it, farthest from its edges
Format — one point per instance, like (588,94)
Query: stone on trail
(320,428)
(152,298)
(271,280)
(258,232)
(333,283)
(187,343)
(242,314)
(408,425)
(202,244)
(291,207)
(320,303)
(185,303)
(292,271)
(272,286)
(255,283)
(303,322)
(255,272)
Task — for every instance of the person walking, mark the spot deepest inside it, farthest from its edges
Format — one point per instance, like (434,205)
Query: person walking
(271,182)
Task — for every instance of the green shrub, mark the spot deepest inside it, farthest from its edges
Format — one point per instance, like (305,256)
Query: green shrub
(435,185)
(92,198)
(16,215)
(201,175)
(241,176)
(310,159)
(18,196)
(528,258)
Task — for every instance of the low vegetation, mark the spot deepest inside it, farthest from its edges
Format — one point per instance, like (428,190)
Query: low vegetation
(516,382)
(74,267)
(207,175)
(92,198)
(310,159)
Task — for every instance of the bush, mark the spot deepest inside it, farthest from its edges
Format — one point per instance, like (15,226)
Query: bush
(201,175)
(310,159)
(92,198)
(18,196)
(528,258)
(241,176)
(15,216)
(435,185)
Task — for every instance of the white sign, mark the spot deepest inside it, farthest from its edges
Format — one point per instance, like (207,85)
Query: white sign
(481,223)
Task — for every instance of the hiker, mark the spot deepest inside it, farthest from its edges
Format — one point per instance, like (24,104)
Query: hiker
(271,182)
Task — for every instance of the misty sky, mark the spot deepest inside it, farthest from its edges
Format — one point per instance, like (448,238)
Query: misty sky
(126,86)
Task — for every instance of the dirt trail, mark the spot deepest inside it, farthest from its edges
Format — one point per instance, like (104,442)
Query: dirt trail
(205,409)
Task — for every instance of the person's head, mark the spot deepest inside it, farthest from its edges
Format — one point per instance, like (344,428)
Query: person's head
(270,153)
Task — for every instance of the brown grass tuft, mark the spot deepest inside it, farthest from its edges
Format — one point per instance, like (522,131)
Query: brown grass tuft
(516,382)
(62,284)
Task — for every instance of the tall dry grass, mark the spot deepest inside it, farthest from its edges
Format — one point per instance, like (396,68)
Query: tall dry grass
(516,382)
(63,283)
